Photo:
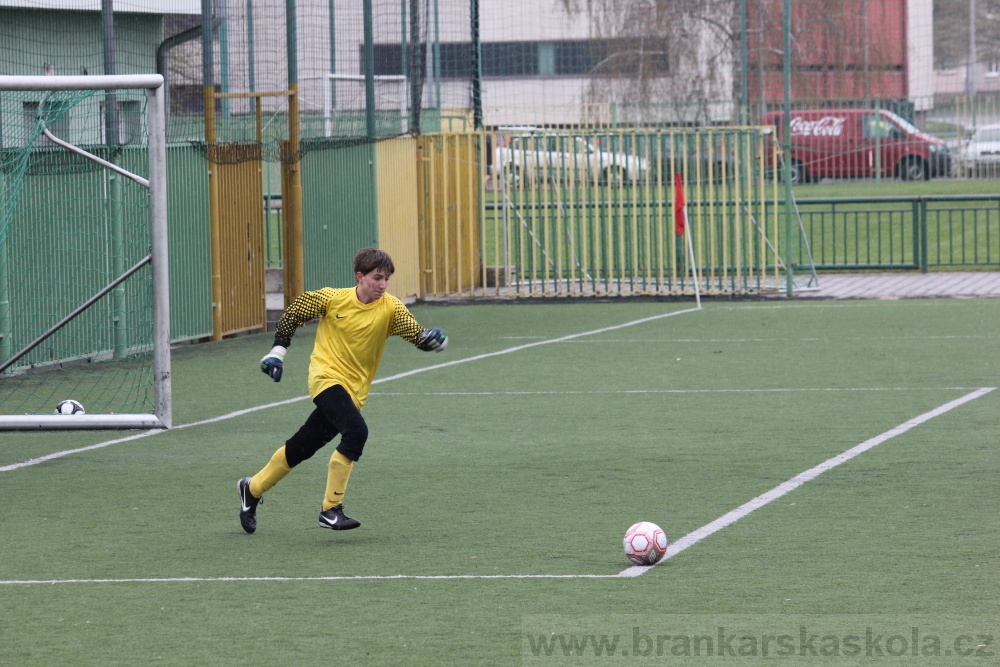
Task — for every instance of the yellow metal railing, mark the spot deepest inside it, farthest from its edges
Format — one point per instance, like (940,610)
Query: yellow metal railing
(236,217)
(526,212)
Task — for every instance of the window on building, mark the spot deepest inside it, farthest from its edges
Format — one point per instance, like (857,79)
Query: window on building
(546,59)
(455,59)
(388,58)
(502,59)
(188,98)
(623,56)
(524,59)
(577,58)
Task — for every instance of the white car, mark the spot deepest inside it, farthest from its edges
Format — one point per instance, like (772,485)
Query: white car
(982,153)
(549,158)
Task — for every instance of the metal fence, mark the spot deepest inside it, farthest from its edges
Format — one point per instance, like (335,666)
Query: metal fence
(592,213)
(945,231)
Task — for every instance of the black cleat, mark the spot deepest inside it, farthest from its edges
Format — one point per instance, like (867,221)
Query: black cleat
(248,505)
(335,519)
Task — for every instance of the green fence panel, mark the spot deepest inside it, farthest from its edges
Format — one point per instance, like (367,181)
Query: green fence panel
(339,210)
(190,243)
(946,231)
(857,233)
(963,233)
(64,216)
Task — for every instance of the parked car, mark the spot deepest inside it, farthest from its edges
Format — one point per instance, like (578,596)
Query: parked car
(982,154)
(859,143)
(700,156)
(536,156)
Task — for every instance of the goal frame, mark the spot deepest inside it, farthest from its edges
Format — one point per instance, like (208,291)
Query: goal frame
(330,80)
(162,416)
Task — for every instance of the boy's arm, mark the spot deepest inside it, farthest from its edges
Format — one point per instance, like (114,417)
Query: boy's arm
(404,325)
(308,306)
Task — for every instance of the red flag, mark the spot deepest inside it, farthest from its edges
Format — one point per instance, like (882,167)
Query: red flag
(680,210)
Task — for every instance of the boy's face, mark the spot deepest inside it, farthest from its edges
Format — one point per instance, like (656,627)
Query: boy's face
(371,285)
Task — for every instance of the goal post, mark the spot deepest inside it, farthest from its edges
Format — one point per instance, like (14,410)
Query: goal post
(84,287)
(345,102)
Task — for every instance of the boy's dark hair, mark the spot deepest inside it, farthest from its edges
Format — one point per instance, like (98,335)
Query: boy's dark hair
(369,259)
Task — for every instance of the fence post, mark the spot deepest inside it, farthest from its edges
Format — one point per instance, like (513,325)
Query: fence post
(921,204)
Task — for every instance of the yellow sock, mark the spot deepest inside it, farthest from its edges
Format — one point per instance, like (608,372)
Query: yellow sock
(336,480)
(270,474)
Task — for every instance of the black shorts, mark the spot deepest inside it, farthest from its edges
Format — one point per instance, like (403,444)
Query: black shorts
(335,413)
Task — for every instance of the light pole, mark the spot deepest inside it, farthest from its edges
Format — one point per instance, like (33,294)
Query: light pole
(970,70)
(787,134)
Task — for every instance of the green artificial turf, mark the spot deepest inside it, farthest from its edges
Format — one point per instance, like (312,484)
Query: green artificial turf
(533,463)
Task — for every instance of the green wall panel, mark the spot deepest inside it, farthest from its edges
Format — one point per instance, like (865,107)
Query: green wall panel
(189,243)
(70,42)
(340,211)
(60,252)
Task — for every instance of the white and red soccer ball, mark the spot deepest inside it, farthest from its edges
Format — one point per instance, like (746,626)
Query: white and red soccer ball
(645,543)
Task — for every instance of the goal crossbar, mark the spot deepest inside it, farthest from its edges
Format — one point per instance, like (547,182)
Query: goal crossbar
(162,416)
(96,82)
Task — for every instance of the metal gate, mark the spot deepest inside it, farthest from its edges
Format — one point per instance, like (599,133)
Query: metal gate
(239,248)
(449,186)
(529,212)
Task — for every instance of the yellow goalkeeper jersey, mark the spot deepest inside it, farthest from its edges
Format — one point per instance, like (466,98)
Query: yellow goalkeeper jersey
(350,338)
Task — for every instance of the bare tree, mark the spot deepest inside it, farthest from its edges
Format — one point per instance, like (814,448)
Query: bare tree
(951,32)
(662,60)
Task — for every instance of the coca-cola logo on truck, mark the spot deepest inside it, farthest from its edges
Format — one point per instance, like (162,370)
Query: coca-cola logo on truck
(827,126)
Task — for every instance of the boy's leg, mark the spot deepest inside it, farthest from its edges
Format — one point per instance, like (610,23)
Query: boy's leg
(339,410)
(270,474)
(339,472)
(310,437)
(308,440)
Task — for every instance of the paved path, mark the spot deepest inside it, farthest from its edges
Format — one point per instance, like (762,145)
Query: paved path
(905,285)
(864,286)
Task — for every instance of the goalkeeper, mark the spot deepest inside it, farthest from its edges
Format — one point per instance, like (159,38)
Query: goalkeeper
(354,324)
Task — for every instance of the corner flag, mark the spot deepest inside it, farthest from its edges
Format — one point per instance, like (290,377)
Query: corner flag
(680,206)
(680,226)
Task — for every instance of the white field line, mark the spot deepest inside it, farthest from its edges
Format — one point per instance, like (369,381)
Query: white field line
(239,413)
(359,577)
(662,391)
(680,545)
(518,348)
(810,339)
(800,479)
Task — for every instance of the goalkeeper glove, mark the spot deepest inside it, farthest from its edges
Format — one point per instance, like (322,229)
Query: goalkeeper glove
(273,363)
(432,339)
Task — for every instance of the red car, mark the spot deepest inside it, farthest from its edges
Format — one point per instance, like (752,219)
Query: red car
(859,143)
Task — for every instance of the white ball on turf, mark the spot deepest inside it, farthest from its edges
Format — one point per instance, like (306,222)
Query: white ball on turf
(645,543)
(70,407)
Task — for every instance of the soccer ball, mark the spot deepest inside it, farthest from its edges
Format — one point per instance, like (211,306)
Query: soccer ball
(645,543)
(69,407)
